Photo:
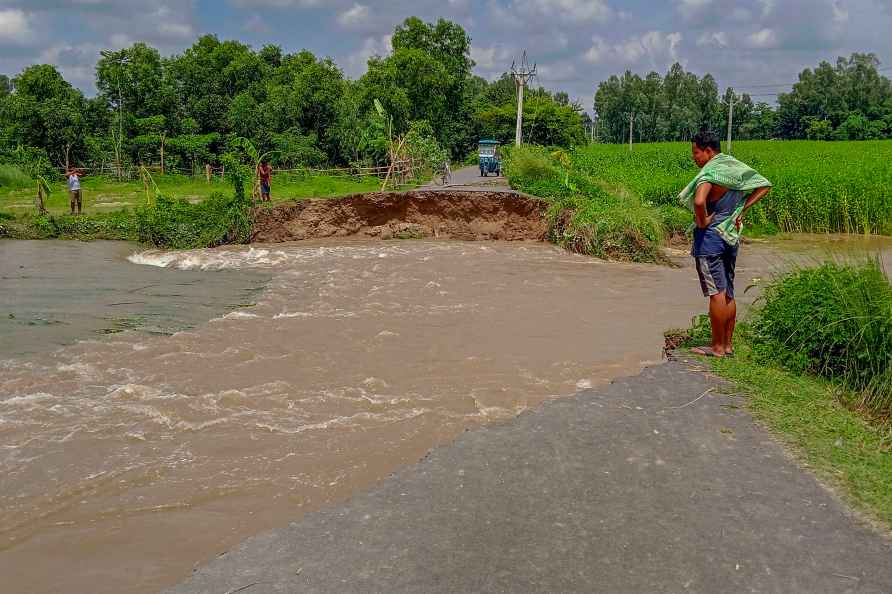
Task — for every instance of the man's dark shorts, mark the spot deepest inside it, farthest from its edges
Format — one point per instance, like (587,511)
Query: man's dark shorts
(264,188)
(717,272)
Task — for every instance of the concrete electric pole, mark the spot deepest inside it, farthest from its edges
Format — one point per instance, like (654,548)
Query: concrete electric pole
(631,127)
(522,77)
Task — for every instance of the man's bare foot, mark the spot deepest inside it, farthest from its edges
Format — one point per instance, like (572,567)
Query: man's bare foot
(706,351)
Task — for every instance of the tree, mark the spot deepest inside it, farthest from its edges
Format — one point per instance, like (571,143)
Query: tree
(852,87)
(819,130)
(426,77)
(45,111)
(138,77)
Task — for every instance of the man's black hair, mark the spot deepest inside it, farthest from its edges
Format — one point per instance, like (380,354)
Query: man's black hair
(705,139)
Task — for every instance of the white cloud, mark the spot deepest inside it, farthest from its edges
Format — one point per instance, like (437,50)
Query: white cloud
(597,52)
(715,39)
(493,59)
(762,39)
(371,46)
(557,72)
(767,7)
(840,14)
(656,45)
(15,26)
(181,30)
(358,14)
(574,11)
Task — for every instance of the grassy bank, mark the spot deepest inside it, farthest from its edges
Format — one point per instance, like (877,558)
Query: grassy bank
(587,215)
(191,212)
(102,195)
(815,358)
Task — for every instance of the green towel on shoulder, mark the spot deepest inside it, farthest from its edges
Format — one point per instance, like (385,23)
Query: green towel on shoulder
(726,171)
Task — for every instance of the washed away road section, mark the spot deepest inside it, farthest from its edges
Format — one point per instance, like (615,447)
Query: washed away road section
(469,207)
(656,483)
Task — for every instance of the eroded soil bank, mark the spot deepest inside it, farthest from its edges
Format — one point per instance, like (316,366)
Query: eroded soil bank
(464,215)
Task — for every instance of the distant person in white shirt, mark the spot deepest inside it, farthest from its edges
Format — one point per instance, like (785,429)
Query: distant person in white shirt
(74,190)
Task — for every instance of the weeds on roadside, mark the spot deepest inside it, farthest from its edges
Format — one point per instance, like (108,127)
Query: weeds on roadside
(834,320)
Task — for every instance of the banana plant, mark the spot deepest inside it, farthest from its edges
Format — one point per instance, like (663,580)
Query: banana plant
(395,147)
(38,170)
(147,182)
(43,190)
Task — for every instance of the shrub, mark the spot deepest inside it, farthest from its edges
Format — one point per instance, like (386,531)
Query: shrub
(11,176)
(676,220)
(834,320)
(527,164)
(114,225)
(179,224)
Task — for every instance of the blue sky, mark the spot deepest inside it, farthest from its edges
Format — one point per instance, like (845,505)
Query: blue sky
(577,43)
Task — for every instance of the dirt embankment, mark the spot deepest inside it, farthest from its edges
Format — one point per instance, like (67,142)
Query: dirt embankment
(388,215)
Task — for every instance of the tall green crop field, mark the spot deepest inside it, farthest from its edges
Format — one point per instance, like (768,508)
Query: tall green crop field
(843,187)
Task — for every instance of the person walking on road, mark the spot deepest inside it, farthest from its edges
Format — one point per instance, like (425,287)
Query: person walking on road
(265,172)
(74,190)
(720,195)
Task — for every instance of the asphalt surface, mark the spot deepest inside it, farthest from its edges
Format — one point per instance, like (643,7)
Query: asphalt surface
(468,179)
(657,483)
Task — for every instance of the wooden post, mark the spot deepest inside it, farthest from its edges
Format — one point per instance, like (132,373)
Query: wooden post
(207,172)
(162,153)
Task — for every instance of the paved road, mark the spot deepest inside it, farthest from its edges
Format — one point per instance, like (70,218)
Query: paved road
(638,487)
(468,179)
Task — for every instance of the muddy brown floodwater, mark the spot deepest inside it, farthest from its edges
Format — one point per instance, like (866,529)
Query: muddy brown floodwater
(126,461)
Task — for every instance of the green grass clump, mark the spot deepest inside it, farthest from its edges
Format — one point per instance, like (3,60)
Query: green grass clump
(585,215)
(119,225)
(13,177)
(179,224)
(834,320)
(676,220)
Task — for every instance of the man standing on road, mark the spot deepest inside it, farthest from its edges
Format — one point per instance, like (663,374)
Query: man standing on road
(720,195)
(265,172)
(74,190)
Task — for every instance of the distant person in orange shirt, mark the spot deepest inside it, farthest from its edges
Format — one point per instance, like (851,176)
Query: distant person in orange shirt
(265,172)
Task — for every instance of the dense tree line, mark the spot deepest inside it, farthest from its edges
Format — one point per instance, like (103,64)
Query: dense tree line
(848,101)
(193,105)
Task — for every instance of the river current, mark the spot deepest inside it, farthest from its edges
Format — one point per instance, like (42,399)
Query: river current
(127,457)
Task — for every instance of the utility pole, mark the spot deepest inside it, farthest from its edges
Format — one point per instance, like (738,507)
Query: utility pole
(730,116)
(522,77)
